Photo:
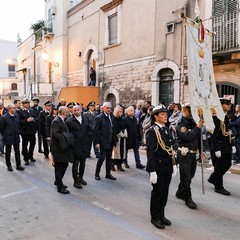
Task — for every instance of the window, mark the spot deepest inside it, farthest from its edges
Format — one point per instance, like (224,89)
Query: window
(224,24)
(170,27)
(11,70)
(50,21)
(14,87)
(112,25)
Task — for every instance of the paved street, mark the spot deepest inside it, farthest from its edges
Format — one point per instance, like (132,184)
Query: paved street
(32,209)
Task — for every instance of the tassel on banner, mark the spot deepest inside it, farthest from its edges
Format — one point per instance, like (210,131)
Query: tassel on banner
(201,30)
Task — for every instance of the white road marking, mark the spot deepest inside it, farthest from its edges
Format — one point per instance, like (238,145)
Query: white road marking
(18,192)
(109,209)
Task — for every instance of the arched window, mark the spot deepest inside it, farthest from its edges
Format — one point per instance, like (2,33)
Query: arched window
(14,87)
(166,86)
(112,99)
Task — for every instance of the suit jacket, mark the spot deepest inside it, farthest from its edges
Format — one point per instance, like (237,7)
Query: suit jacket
(42,121)
(36,111)
(10,129)
(104,131)
(132,130)
(48,122)
(59,148)
(90,117)
(158,160)
(27,128)
(80,133)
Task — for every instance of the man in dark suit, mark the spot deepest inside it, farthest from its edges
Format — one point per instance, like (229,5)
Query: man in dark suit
(78,126)
(42,125)
(60,149)
(37,109)
(105,139)
(132,141)
(90,116)
(3,111)
(27,130)
(10,124)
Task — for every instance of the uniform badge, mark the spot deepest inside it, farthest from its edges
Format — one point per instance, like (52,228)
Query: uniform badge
(183,129)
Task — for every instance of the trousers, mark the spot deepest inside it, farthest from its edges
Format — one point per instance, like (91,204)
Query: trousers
(104,154)
(28,152)
(8,155)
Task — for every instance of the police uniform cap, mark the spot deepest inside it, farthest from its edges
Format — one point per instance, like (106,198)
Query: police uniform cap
(158,109)
(225,101)
(36,99)
(48,103)
(186,106)
(92,103)
(55,107)
(71,104)
(25,100)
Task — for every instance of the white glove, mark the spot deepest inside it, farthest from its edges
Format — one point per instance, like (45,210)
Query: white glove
(218,154)
(175,170)
(153,177)
(233,149)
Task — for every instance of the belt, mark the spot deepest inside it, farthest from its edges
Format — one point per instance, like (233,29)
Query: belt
(185,150)
(192,151)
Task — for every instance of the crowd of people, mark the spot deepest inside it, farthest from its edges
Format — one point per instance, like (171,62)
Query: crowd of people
(168,134)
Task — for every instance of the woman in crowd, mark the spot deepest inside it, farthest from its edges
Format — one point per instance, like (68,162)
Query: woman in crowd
(119,151)
(145,126)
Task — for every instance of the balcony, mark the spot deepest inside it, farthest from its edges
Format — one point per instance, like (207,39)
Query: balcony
(48,29)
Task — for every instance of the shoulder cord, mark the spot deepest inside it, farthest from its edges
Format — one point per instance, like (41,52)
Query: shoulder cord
(162,144)
(224,132)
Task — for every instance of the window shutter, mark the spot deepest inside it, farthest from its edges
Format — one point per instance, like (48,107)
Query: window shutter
(112,23)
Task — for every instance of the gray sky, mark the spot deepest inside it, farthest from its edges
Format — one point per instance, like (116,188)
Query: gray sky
(16,16)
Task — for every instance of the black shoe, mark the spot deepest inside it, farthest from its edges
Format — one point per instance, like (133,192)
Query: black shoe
(119,168)
(97,156)
(97,177)
(140,166)
(110,176)
(223,191)
(190,203)
(179,195)
(210,180)
(64,186)
(40,151)
(165,221)
(10,169)
(46,156)
(158,224)
(33,160)
(82,181)
(20,168)
(77,185)
(63,191)
(27,162)
(126,165)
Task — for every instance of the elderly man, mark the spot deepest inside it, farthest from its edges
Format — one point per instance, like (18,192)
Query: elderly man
(78,126)
(10,123)
(60,149)
(104,138)
(62,102)
(132,141)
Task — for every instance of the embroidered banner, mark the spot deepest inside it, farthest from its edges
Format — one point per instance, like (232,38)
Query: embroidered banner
(203,92)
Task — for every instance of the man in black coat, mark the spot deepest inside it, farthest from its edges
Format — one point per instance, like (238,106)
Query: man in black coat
(10,124)
(90,116)
(37,109)
(78,126)
(132,140)
(60,148)
(222,148)
(27,130)
(42,125)
(105,139)
(3,111)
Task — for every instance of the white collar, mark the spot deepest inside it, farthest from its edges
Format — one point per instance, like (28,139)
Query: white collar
(160,125)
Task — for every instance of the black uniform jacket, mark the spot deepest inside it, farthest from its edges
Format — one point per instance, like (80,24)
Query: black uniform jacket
(27,128)
(79,132)
(36,111)
(42,121)
(158,160)
(90,118)
(48,122)
(59,147)
(188,134)
(104,131)
(219,141)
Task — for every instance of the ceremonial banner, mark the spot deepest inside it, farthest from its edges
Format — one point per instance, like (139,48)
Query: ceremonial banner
(203,92)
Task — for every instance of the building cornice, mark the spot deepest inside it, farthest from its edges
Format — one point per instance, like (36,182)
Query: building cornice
(111,5)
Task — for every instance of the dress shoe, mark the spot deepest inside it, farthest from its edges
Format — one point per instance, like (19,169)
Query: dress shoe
(179,195)
(64,186)
(40,151)
(33,160)
(110,176)
(27,162)
(165,221)
(97,156)
(20,168)
(126,165)
(46,156)
(140,166)
(190,203)
(222,191)
(113,168)
(77,184)
(97,177)
(82,181)
(158,224)
(10,169)
(119,168)
(210,180)
(63,191)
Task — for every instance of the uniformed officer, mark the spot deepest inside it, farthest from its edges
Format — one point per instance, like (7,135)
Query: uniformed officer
(188,141)
(222,147)
(27,130)
(90,117)
(160,160)
(42,125)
